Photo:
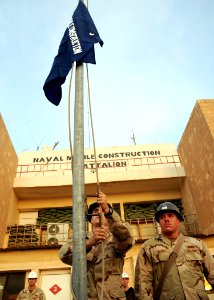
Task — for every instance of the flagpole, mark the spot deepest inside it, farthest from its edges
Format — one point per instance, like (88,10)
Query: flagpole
(77,45)
(79,271)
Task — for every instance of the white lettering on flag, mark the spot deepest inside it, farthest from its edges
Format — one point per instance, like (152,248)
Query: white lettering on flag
(74,39)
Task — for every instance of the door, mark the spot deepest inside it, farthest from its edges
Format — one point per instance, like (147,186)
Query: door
(56,286)
(11,284)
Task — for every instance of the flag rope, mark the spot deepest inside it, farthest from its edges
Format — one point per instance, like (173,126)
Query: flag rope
(69,117)
(92,131)
(97,175)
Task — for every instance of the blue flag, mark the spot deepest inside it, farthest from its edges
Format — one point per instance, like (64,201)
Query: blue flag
(77,45)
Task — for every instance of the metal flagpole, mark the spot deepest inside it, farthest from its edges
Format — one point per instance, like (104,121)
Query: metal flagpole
(79,271)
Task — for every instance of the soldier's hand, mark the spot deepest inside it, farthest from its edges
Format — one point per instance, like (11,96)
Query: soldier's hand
(102,201)
(99,234)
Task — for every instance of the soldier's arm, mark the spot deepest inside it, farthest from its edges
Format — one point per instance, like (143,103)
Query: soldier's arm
(43,297)
(122,231)
(208,265)
(66,251)
(143,276)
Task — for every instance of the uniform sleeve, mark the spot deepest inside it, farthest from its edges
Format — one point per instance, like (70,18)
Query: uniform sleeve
(43,296)
(65,253)
(122,232)
(143,276)
(208,265)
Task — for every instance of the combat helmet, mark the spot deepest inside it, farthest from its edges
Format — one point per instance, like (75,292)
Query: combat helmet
(167,207)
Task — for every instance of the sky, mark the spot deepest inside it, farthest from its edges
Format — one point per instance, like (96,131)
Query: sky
(156,62)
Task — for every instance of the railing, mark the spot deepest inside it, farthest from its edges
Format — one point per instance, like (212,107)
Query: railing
(51,234)
(41,169)
(143,229)
(57,234)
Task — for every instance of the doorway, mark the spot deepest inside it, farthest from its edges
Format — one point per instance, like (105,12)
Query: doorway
(11,284)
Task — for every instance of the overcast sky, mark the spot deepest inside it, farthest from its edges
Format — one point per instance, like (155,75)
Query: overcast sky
(156,62)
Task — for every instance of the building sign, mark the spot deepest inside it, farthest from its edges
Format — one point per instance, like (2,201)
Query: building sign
(55,289)
(100,156)
(104,160)
(113,157)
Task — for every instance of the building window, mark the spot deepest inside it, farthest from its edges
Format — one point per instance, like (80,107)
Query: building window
(145,211)
(54,215)
(116,207)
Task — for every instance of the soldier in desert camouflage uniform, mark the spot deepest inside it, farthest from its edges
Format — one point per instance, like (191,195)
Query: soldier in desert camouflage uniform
(117,240)
(32,292)
(185,279)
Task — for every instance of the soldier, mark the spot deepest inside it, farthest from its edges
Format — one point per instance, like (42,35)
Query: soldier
(183,278)
(32,292)
(109,241)
(129,291)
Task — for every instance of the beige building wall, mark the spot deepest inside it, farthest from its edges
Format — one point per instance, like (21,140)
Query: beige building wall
(28,260)
(149,169)
(44,180)
(8,166)
(196,150)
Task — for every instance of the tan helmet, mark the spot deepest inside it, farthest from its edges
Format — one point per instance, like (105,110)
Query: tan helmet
(167,207)
(32,275)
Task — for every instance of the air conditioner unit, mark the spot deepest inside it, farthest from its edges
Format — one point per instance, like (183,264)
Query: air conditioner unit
(57,233)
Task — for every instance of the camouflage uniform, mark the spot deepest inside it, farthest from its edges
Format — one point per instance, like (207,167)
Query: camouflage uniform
(36,294)
(185,278)
(115,246)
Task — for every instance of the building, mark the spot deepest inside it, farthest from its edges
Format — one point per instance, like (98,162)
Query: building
(36,196)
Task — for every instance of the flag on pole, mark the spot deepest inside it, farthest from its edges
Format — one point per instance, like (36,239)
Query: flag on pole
(77,44)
